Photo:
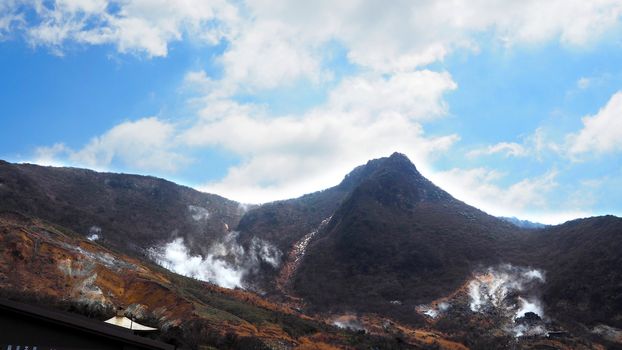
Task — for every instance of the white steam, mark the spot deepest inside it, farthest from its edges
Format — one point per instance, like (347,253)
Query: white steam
(529,305)
(350,322)
(94,233)
(226,263)
(434,310)
(534,274)
(507,287)
(510,291)
(176,257)
(198,213)
(525,330)
(265,251)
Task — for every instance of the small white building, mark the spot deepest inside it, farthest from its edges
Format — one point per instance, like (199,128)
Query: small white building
(122,321)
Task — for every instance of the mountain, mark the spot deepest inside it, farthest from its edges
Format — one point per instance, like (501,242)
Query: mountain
(386,241)
(127,212)
(397,241)
(385,253)
(288,223)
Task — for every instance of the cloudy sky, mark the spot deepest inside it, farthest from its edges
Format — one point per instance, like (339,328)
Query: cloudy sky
(512,106)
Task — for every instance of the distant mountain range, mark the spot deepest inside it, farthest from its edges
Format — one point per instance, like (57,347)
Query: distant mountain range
(386,251)
(523,223)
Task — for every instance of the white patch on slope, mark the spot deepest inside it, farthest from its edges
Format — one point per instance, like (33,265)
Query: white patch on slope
(243,207)
(84,278)
(348,322)
(225,264)
(106,259)
(510,291)
(198,213)
(529,305)
(176,257)
(433,311)
(294,257)
(301,246)
(491,289)
(524,330)
(102,257)
(94,233)
(266,252)
(534,274)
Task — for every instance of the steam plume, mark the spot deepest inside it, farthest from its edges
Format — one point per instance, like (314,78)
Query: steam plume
(226,264)
(510,291)
(508,287)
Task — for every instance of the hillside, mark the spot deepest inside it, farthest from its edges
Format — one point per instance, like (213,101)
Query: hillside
(127,212)
(386,254)
(398,237)
(287,223)
(581,258)
(52,266)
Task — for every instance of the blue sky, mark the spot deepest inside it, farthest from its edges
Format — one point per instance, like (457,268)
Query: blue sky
(515,108)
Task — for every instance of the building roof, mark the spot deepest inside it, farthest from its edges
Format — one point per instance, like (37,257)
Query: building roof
(81,323)
(125,322)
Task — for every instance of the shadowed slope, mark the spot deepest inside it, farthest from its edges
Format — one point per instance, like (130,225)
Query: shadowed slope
(398,237)
(128,212)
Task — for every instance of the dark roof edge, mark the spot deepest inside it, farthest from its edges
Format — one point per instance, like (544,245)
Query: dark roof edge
(81,323)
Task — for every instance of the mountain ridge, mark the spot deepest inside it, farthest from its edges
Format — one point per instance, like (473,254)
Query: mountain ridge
(385,241)
(150,210)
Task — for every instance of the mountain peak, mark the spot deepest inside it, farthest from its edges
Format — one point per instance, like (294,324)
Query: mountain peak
(396,161)
(399,156)
(396,180)
(399,161)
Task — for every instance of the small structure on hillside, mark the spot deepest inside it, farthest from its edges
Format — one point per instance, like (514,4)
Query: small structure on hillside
(122,321)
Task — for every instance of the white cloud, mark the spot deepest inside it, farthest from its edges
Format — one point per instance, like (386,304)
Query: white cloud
(280,42)
(401,35)
(50,155)
(146,26)
(416,94)
(558,216)
(272,42)
(287,156)
(302,156)
(527,198)
(9,17)
(145,144)
(508,149)
(536,145)
(584,82)
(269,54)
(601,133)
